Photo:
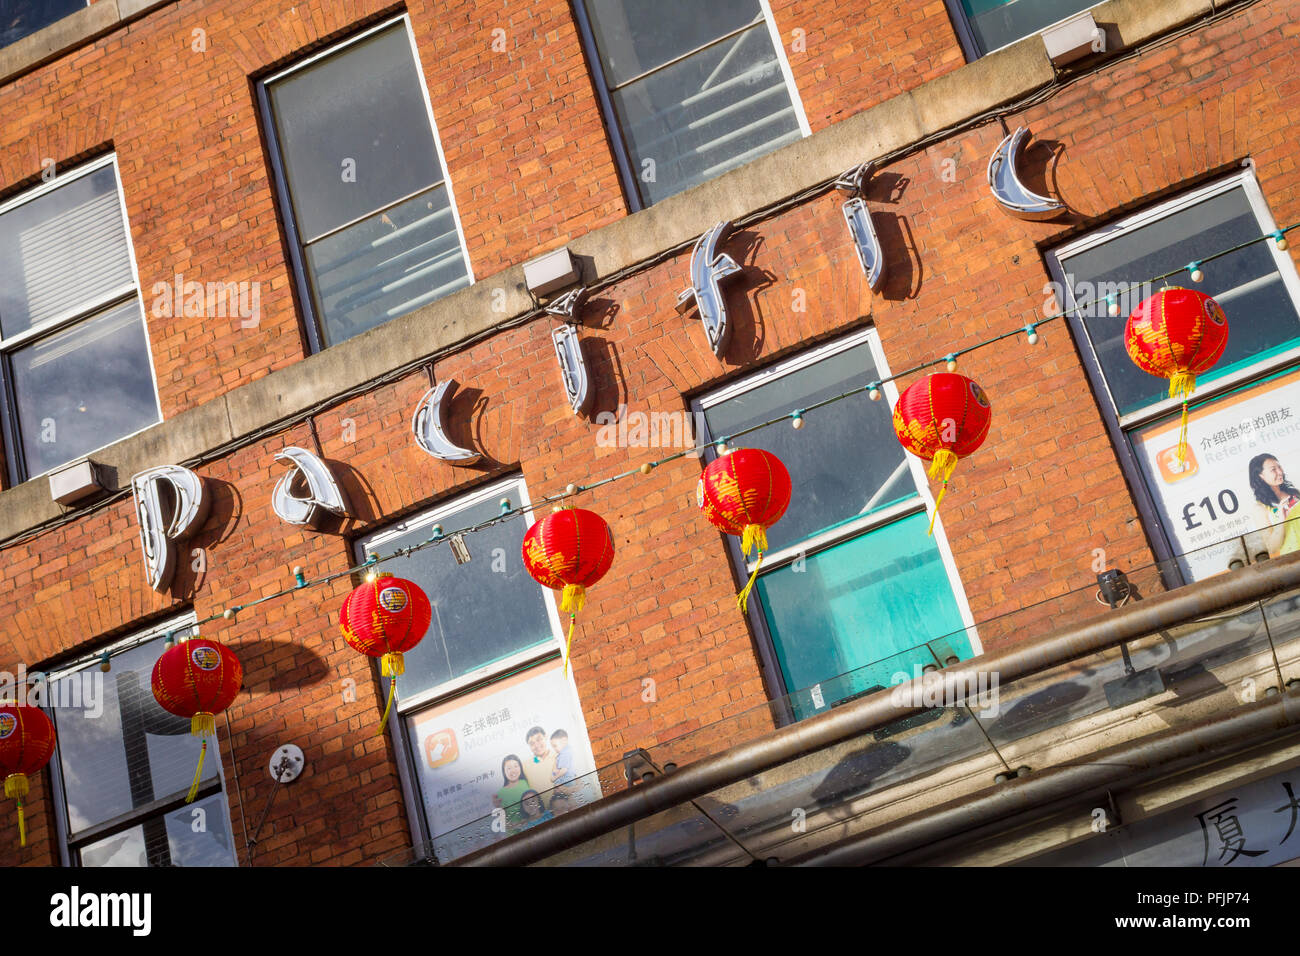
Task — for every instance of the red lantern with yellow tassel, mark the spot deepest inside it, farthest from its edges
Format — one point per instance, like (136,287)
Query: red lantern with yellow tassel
(384,618)
(1176,334)
(569,551)
(745,492)
(26,744)
(198,679)
(941,419)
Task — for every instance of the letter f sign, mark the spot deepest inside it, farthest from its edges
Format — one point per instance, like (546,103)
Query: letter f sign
(170,505)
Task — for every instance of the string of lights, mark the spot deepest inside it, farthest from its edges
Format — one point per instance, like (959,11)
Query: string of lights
(1194,269)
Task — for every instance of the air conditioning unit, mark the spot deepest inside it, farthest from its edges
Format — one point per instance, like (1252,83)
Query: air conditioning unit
(555,270)
(76,482)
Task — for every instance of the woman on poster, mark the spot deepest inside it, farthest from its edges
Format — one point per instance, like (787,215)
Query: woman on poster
(1276,500)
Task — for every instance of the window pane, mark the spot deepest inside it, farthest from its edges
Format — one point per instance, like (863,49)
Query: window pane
(706,114)
(361,110)
(864,600)
(1261,315)
(638,35)
(118,749)
(481,613)
(386,266)
(999,22)
(18,18)
(844,462)
(62,252)
(170,840)
(83,387)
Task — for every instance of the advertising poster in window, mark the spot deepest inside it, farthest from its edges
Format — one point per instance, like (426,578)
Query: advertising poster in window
(502,759)
(1237,496)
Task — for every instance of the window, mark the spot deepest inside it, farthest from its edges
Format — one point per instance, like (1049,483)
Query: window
(362,183)
(77,374)
(485,677)
(689,90)
(123,767)
(1244,407)
(987,25)
(851,578)
(19,18)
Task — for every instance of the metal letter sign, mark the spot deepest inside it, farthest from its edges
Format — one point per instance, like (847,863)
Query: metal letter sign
(858,216)
(708,268)
(166,516)
(568,350)
(324,496)
(1007,188)
(429,423)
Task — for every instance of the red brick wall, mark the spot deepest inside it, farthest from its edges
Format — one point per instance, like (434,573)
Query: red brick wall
(1023,516)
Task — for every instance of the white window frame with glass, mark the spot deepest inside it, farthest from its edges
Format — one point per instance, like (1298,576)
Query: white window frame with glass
(629,170)
(407,708)
(80,312)
(69,7)
(1123,427)
(974,46)
(919,504)
(70,845)
(306,281)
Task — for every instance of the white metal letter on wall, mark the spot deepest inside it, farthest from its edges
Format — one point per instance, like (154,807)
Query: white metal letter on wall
(708,268)
(324,496)
(170,505)
(1013,195)
(429,424)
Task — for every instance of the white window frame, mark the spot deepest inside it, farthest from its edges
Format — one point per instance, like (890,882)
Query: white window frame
(922,503)
(1121,427)
(621,154)
(182,626)
(297,245)
(16,465)
(970,42)
(515,488)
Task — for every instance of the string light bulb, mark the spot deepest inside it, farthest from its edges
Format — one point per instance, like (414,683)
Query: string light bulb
(722,447)
(873,392)
(505,505)
(1112,304)
(1279,240)
(105,664)
(647,468)
(1195,269)
(298,577)
(570,489)
(231,614)
(952,363)
(1031,333)
(796,420)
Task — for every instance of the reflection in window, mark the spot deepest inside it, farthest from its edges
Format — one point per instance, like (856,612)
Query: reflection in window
(126,766)
(997,23)
(72,328)
(696,89)
(20,18)
(368,196)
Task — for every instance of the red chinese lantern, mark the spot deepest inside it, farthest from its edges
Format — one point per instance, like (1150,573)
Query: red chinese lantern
(384,618)
(1175,334)
(569,550)
(941,419)
(745,492)
(198,679)
(26,744)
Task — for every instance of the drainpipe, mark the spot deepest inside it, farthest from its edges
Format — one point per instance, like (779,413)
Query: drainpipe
(1148,758)
(877,710)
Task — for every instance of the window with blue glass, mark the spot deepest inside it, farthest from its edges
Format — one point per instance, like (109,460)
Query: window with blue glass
(20,18)
(851,584)
(373,227)
(988,25)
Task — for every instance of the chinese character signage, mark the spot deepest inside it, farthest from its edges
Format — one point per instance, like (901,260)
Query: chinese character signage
(505,758)
(1241,477)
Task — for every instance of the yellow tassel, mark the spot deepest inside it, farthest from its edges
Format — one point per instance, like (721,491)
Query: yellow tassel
(754,536)
(203,724)
(383,721)
(392,664)
(573,599)
(22,825)
(742,599)
(943,491)
(573,622)
(943,463)
(16,785)
(1182,438)
(198,773)
(1182,384)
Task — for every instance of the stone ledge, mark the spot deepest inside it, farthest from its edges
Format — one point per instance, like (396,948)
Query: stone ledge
(63,36)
